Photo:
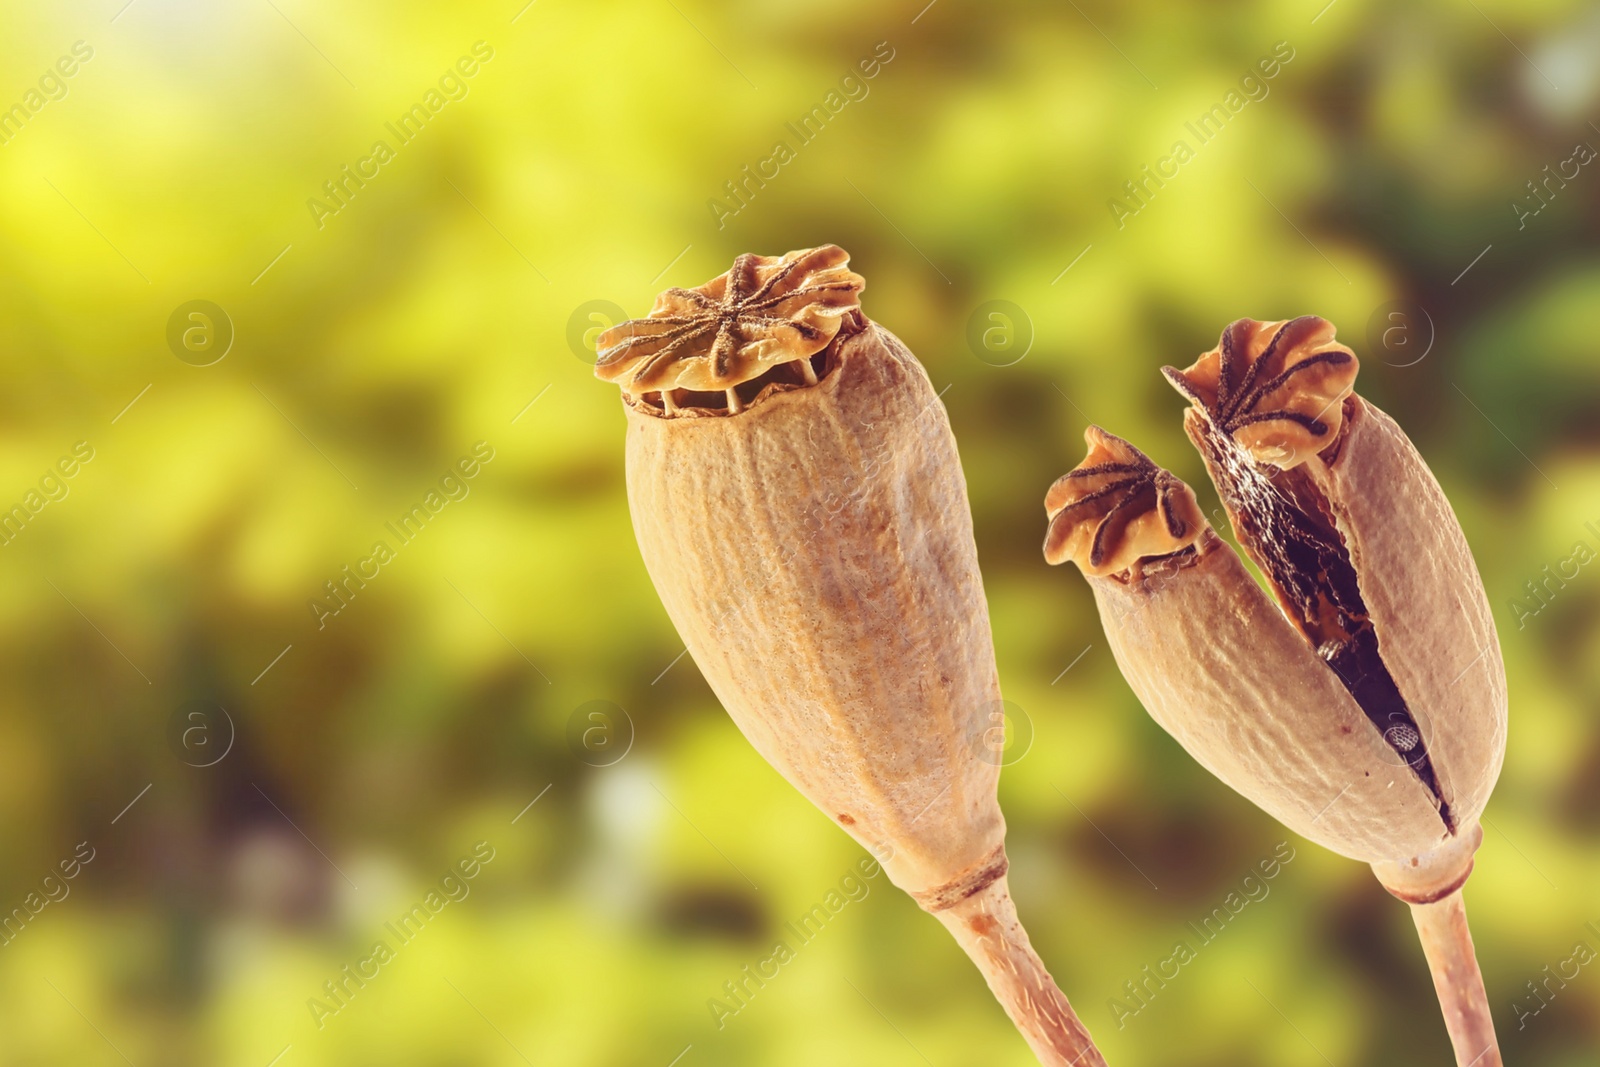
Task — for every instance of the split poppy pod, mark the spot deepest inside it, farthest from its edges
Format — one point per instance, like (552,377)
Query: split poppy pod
(1363,702)
(800,507)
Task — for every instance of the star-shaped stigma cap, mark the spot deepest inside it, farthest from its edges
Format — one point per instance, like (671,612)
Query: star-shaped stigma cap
(1117,508)
(766,311)
(1276,388)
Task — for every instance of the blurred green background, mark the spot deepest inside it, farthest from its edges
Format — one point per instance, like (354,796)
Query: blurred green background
(262,790)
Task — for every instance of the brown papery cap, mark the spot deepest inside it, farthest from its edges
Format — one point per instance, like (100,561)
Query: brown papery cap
(1276,388)
(1117,508)
(766,311)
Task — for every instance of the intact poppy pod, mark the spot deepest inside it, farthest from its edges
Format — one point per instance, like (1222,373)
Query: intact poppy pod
(800,506)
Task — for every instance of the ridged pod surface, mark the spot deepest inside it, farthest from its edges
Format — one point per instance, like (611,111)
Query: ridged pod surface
(815,553)
(1425,599)
(805,523)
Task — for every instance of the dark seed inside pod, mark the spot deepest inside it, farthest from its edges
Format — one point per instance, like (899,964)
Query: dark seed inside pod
(1404,737)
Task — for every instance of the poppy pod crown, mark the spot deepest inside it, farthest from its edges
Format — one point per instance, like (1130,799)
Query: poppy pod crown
(744,334)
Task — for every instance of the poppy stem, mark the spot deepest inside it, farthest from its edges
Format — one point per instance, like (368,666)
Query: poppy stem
(986,926)
(1447,942)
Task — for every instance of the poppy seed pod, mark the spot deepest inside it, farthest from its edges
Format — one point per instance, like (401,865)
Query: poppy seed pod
(1363,704)
(800,507)
(1218,667)
(1334,504)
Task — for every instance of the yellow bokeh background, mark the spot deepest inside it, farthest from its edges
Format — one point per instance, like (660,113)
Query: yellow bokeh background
(444,307)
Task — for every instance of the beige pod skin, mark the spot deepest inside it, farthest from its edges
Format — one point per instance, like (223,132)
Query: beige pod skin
(812,543)
(1364,705)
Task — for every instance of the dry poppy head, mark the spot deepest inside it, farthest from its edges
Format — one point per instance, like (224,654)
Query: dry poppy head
(1361,550)
(1117,509)
(1276,388)
(800,506)
(1223,669)
(763,320)
(1363,701)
